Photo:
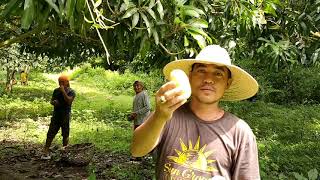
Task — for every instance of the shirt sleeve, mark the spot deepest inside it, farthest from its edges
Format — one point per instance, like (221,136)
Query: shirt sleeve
(72,93)
(245,161)
(54,95)
(146,104)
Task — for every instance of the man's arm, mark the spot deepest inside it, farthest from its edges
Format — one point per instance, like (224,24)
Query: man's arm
(66,97)
(54,100)
(147,135)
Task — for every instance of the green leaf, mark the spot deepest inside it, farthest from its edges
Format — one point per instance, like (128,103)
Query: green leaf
(146,21)
(272,38)
(71,22)
(53,5)
(140,2)
(130,12)
(177,20)
(276,26)
(80,5)
(299,177)
(199,38)
(186,41)
(152,14)
(135,20)
(199,11)
(315,56)
(197,30)
(61,7)
(13,4)
(160,9)
(313,174)
(28,14)
(180,2)
(70,6)
(123,7)
(304,26)
(98,26)
(155,36)
(96,4)
(191,13)
(45,15)
(309,17)
(198,23)
(301,16)
(151,4)
(269,9)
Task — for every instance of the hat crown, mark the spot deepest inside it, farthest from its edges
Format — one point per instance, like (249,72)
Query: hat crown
(214,54)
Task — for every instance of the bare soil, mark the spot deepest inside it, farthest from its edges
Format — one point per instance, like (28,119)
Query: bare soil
(79,161)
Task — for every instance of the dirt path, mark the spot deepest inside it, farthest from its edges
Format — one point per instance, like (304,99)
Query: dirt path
(23,161)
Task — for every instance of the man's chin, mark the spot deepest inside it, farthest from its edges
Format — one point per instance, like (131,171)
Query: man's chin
(207,100)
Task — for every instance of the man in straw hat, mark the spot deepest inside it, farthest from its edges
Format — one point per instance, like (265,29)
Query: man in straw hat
(62,99)
(197,139)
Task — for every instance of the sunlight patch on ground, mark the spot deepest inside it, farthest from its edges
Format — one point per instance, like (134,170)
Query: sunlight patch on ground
(25,130)
(54,77)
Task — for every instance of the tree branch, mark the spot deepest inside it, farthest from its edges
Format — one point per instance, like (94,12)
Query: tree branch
(167,51)
(19,38)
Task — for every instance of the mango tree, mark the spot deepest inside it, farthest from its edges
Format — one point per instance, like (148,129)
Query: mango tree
(153,32)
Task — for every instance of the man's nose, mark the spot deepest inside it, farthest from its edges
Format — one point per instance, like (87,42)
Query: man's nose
(208,78)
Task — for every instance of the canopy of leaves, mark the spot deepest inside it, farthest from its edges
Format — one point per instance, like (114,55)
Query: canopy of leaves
(153,32)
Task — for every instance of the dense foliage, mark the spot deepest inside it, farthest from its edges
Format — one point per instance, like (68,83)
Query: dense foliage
(273,32)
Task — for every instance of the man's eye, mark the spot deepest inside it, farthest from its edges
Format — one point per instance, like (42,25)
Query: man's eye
(201,71)
(219,73)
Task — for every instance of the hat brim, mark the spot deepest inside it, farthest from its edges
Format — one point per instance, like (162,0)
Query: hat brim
(243,85)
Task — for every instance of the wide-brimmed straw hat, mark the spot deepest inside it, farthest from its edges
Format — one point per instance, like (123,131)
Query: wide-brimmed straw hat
(243,85)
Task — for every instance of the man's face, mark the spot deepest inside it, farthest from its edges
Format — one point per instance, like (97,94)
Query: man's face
(208,82)
(137,87)
(64,83)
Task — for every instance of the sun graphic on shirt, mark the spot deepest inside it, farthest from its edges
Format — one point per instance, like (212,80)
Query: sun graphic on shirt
(193,157)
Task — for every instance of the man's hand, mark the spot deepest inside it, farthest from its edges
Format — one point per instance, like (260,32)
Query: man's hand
(55,102)
(62,89)
(168,98)
(132,116)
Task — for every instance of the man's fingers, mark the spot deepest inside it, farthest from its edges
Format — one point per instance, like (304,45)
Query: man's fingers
(178,104)
(167,86)
(178,100)
(170,94)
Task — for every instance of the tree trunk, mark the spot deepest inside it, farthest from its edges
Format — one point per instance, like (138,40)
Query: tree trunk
(11,80)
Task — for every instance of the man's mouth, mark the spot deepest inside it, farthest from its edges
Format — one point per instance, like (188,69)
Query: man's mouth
(207,88)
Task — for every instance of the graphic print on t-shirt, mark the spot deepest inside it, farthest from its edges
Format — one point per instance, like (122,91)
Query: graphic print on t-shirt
(191,162)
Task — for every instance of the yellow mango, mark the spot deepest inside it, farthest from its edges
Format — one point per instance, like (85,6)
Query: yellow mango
(182,81)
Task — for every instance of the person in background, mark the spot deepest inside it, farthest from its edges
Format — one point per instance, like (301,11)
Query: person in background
(23,78)
(141,104)
(140,107)
(198,139)
(61,100)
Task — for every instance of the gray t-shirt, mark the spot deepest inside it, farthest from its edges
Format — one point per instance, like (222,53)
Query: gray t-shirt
(191,148)
(141,106)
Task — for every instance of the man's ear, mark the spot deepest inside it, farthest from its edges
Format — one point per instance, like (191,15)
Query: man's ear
(229,82)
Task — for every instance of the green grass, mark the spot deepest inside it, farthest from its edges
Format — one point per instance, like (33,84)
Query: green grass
(288,136)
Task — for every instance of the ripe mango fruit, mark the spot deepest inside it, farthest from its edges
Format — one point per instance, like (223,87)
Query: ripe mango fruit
(182,81)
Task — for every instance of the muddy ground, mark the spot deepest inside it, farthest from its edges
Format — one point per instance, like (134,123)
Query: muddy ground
(79,161)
